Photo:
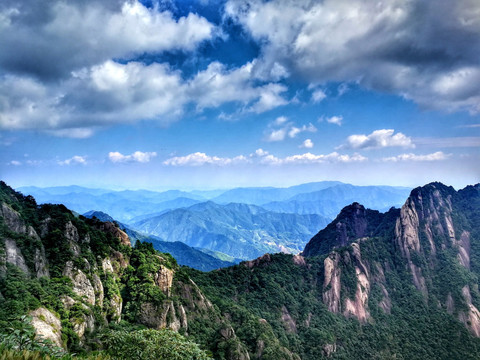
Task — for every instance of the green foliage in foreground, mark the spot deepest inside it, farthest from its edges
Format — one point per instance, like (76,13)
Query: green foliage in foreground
(152,345)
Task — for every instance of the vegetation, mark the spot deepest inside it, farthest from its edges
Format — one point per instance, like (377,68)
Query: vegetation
(273,307)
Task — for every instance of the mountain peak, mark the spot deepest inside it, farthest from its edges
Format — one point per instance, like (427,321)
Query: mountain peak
(353,222)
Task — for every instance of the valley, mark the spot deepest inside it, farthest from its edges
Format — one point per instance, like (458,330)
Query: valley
(371,284)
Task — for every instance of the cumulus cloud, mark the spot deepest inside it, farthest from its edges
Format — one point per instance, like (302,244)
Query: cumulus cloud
(279,129)
(404,47)
(337,120)
(77,159)
(309,158)
(378,139)
(308,144)
(199,159)
(318,95)
(112,93)
(137,156)
(437,156)
(50,38)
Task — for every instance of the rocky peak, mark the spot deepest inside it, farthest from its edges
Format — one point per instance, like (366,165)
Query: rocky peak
(113,229)
(353,222)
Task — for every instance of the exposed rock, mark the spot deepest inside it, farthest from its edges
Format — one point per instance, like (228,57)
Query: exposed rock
(262,259)
(331,283)
(86,323)
(116,232)
(288,321)
(40,260)
(107,266)
(329,349)
(98,286)
(164,279)
(71,234)
(44,226)
(159,317)
(357,221)
(47,325)
(464,249)
(81,285)
(406,234)
(13,255)
(472,318)
(193,298)
(116,306)
(67,301)
(12,219)
(450,304)
(358,307)
(299,260)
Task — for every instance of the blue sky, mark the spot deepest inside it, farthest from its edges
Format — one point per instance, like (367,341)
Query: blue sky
(218,94)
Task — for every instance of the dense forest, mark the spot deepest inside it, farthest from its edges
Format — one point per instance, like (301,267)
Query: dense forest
(396,285)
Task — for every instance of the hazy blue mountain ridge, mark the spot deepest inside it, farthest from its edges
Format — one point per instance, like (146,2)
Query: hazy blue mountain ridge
(239,230)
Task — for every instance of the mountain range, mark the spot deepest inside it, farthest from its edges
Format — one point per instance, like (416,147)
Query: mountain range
(403,284)
(241,223)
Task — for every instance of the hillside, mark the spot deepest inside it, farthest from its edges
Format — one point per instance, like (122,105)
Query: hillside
(238,230)
(183,254)
(396,285)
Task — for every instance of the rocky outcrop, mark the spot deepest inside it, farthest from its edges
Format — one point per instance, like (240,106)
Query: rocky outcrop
(407,238)
(357,307)
(160,316)
(116,303)
(288,321)
(12,219)
(163,279)
(13,255)
(41,266)
(471,318)
(47,325)
(331,283)
(71,234)
(81,284)
(113,229)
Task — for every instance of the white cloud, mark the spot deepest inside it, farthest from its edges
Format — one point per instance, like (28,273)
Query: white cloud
(259,153)
(437,156)
(337,120)
(137,156)
(77,159)
(308,144)
(309,158)
(318,95)
(280,120)
(277,135)
(378,139)
(14,163)
(199,159)
(86,33)
(404,47)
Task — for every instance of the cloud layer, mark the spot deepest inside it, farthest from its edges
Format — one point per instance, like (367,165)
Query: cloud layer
(378,139)
(410,48)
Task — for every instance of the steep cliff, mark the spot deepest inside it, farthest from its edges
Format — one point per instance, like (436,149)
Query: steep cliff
(402,284)
(81,276)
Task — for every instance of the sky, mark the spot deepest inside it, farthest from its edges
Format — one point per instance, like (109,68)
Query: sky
(204,94)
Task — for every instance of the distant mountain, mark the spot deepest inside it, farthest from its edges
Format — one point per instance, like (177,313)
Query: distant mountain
(239,230)
(262,195)
(184,254)
(329,201)
(122,205)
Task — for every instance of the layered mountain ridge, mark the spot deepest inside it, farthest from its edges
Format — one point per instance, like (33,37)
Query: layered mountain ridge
(402,284)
